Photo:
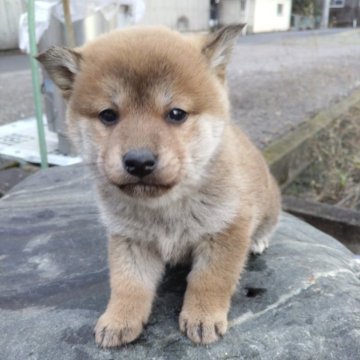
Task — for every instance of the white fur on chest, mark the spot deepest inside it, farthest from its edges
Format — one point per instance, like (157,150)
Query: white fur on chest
(173,229)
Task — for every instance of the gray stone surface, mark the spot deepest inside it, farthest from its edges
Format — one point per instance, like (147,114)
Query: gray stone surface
(300,300)
(11,177)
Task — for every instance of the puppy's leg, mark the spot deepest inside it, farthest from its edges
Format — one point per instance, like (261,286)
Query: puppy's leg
(134,274)
(264,231)
(262,235)
(218,262)
(259,245)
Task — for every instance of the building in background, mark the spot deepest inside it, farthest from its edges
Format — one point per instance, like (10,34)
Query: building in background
(10,12)
(311,14)
(260,15)
(184,15)
(190,15)
(344,13)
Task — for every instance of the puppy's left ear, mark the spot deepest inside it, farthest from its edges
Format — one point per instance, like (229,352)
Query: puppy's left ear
(62,64)
(218,47)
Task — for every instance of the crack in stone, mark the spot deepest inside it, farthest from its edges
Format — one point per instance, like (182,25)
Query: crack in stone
(284,298)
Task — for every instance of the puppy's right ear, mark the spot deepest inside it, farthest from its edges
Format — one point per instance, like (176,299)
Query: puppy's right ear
(218,47)
(62,65)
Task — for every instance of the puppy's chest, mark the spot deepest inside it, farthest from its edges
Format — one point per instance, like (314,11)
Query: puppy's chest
(175,230)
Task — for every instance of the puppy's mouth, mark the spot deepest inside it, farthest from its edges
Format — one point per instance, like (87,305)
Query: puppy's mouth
(143,189)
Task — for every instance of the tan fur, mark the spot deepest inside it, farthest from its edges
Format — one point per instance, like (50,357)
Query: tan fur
(211,197)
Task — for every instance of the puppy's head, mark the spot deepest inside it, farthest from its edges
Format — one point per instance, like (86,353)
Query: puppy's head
(146,106)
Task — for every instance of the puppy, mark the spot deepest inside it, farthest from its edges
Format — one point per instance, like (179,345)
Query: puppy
(148,110)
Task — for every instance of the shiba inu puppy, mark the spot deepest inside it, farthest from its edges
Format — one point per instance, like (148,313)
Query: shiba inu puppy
(176,180)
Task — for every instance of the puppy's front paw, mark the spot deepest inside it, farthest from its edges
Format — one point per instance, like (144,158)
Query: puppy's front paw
(258,246)
(113,330)
(203,328)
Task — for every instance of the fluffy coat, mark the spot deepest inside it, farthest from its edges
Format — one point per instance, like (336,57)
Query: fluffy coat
(211,198)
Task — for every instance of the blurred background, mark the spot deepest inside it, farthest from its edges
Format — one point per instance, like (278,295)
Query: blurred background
(294,83)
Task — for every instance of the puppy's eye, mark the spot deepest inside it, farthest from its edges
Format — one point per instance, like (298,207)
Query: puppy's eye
(177,116)
(108,117)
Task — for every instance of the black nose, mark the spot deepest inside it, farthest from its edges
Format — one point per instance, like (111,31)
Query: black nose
(140,162)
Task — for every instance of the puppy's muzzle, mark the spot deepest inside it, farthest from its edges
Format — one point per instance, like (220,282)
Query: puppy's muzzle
(139,162)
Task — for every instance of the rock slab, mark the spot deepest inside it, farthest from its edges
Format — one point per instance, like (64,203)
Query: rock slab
(299,300)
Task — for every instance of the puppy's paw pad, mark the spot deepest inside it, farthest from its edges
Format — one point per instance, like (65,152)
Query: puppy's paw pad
(112,332)
(203,330)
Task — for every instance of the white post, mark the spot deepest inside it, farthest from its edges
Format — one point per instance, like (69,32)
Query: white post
(325,14)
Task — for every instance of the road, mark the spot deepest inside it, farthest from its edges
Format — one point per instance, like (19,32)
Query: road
(276,80)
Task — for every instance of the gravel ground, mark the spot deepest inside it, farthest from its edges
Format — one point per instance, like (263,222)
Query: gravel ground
(278,84)
(16,96)
(276,81)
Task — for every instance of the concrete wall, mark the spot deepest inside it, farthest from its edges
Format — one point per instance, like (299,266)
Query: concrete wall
(10,11)
(259,15)
(266,17)
(250,14)
(180,14)
(231,12)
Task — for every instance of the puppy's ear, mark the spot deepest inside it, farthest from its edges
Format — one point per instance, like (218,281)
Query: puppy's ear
(218,47)
(62,64)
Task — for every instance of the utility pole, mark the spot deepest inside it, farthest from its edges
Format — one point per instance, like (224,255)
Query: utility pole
(68,24)
(325,14)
